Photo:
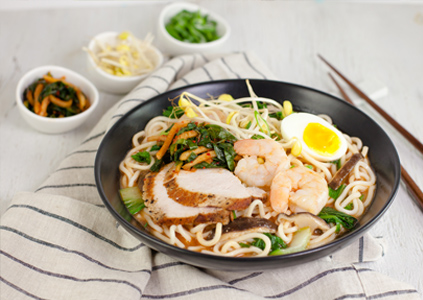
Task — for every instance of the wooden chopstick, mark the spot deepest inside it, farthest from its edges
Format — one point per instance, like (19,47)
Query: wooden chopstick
(341,90)
(416,143)
(411,185)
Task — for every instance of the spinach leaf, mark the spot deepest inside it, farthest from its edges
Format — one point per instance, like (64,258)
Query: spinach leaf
(229,152)
(191,145)
(142,157)
(205,139)
(155,148)
(206,165)
(191,157)
(334,194)
(331,215)
(157,165)
(218,133)
(277,242)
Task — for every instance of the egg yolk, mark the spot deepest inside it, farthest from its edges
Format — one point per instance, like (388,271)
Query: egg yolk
(321,139)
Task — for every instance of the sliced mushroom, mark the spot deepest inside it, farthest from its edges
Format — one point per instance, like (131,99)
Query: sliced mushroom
(306,219)
(244,225)
(343,172)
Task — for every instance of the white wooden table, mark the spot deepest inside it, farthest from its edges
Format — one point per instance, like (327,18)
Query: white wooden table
(367,41)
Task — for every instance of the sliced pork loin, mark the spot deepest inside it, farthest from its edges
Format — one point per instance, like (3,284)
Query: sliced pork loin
(165,210)
(203,196)
(210,188)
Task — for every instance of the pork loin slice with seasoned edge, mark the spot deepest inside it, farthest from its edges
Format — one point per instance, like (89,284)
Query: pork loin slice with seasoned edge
(165,210)
(210,188)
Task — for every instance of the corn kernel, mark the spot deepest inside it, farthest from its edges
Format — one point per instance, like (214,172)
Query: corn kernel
(287,108)
(225,97)
(260,160)
(123,61)
(229,117)
(124,35)
(183,103)
(126,72)
(122,47)
(190,113)
(118,72)
(297,148)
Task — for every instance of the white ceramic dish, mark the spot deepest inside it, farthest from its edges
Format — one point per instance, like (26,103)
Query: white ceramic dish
(173,46)
(59,125)
(111,83)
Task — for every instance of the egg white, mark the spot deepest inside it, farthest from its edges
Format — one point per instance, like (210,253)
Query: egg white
(294,125)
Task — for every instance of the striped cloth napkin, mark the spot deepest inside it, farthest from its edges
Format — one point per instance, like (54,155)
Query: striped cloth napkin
(60,242)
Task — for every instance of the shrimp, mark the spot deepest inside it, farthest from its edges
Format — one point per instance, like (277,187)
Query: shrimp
(250,170)
(300,189)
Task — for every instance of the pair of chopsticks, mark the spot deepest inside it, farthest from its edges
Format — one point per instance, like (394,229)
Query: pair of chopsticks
(411,185)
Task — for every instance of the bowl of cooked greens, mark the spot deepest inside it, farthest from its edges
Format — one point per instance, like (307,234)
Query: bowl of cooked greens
(54,99)
(187,28)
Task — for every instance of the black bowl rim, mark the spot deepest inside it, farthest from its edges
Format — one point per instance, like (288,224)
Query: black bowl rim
(335,244)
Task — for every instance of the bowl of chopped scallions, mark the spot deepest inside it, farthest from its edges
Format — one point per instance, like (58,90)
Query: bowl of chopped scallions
(187,28)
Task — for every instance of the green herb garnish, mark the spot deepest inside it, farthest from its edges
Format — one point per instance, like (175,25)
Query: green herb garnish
(331,215)
(142,157)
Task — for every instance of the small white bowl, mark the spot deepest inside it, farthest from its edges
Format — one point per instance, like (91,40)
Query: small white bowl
(56,125)
(111,83)
(173,46)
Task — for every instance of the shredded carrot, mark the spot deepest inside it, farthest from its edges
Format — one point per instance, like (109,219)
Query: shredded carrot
(186,154)
(50,79)
(156,138)
(187,135)
(82,99)
(203,157)
(59,102)
(37,92)
(169,138)
(29,97)
(44,105)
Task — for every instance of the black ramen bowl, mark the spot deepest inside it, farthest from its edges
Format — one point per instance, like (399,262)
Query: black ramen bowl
(382,153)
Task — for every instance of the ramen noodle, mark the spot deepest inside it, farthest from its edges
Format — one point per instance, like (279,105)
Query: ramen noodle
(245,177)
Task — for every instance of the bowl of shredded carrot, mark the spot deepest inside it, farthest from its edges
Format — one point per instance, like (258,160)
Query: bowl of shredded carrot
(54,99)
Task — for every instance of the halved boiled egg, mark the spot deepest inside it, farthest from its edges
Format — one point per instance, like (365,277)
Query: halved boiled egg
(319,139)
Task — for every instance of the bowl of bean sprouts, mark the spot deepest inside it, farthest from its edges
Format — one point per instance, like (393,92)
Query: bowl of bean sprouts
(118,61)
(379,152)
